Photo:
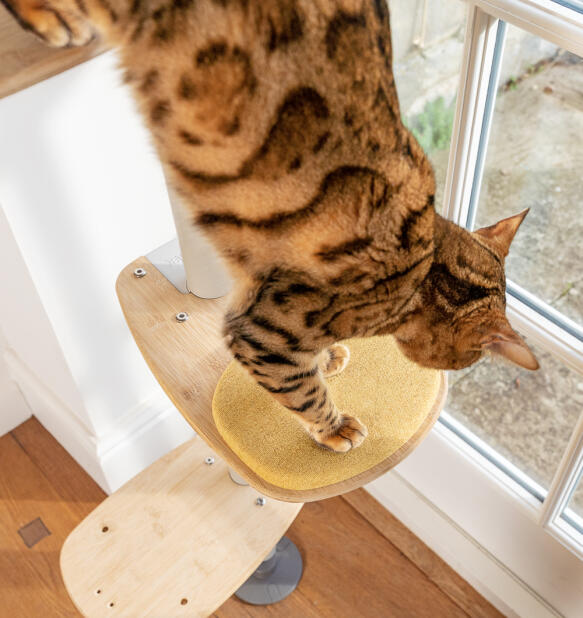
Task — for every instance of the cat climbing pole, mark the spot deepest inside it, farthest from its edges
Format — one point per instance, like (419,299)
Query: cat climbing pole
(181,537)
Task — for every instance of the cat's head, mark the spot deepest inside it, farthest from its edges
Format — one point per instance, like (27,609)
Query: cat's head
(460,312)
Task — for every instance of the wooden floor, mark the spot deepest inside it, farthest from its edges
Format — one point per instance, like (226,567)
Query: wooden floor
(359,561)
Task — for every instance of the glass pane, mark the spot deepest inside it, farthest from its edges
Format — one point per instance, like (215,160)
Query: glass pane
(576,5)
(534,160)
(573,513)
(526,416)
(427,54)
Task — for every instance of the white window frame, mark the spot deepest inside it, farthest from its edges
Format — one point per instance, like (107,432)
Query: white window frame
(538,555)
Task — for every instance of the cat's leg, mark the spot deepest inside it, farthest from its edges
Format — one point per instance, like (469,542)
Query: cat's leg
(333,360)
(296,380)
(59,23)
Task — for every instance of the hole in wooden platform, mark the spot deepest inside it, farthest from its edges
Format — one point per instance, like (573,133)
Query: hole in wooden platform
(98,591)
(105,529)
(183,601)
(110,604)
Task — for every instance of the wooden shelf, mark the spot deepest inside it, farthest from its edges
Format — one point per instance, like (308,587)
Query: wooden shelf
(176,540)
(189,357)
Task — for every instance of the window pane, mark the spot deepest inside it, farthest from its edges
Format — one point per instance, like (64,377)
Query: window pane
(573,513)
(427,54)
(526,416)
(534,160)
(576,5)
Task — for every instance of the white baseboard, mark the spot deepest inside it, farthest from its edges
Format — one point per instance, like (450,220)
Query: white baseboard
(141,436)
(474,563)
(13,407)
(162,430)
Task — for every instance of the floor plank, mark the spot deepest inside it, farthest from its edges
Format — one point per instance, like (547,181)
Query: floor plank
(426,560)
(351,569)
(30,581)
(70,482)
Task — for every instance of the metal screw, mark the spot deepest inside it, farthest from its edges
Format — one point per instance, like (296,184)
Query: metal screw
(209,461)
(260,501)
(181,317)
(140,272)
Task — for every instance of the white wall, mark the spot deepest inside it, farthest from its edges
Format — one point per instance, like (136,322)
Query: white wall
(82,194)
(24,324)
(13,407)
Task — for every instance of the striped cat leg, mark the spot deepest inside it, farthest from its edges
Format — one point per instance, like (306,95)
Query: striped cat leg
(296,381)
(304,391)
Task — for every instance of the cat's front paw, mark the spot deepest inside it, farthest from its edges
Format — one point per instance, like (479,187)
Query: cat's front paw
(59,23)
(334,360)
(347,435)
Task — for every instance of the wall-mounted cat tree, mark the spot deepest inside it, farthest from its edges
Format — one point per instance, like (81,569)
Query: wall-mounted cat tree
(181,537)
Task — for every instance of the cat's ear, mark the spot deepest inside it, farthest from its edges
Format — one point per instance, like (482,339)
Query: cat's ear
(503,341)
(503,232)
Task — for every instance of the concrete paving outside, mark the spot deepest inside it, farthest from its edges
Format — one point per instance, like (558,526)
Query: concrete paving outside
(534,160)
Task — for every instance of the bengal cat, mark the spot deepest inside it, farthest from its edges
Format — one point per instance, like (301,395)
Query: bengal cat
(278,123)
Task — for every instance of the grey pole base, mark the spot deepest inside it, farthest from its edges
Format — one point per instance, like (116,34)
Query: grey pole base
(275,578)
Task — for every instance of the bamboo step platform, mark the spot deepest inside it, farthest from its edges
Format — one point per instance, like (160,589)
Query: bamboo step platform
(188,358)
(176,540)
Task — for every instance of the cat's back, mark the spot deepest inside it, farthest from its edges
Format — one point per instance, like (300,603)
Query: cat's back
(278,117)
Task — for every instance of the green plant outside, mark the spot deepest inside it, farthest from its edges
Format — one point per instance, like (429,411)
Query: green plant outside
(433,126)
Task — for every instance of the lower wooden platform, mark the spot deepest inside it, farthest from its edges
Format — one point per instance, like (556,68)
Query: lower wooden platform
(176,540)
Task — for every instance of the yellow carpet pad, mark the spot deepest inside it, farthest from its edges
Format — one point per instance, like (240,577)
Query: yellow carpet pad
(392,396)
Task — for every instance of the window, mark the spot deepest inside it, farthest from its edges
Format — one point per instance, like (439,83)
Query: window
(504,134)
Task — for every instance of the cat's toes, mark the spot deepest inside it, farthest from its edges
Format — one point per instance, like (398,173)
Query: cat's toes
(336,358)
(56,26)
(348,435)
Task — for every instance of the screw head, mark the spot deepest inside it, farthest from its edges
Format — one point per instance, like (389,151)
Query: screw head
(260,501)
(209,461)
(181,317)
(140,272)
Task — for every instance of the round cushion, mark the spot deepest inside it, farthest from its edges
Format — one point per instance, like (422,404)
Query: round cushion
(396,399)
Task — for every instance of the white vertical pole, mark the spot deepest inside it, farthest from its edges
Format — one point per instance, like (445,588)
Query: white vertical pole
(206,275)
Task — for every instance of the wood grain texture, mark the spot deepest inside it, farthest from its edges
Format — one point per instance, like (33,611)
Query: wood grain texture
(188,359)
(31,582)
(176,540)
(73,486)
(350,569)
(438,571)
(24,60)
